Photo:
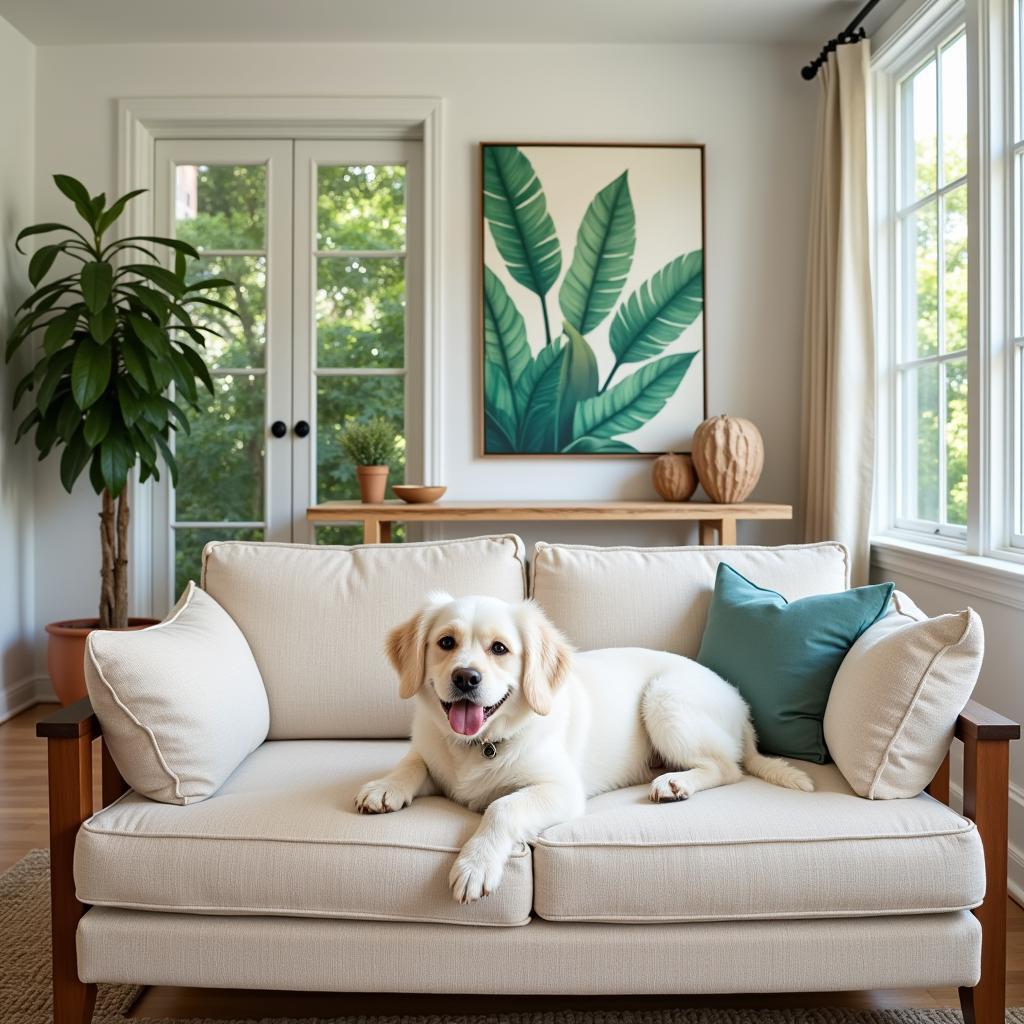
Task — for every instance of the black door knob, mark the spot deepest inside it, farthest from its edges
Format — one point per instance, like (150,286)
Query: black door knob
(301,428)
(279,428)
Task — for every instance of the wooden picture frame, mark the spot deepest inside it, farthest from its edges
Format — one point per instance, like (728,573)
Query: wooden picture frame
(510,188)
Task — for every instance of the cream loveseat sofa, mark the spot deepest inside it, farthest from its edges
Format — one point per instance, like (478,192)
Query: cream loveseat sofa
(275,881)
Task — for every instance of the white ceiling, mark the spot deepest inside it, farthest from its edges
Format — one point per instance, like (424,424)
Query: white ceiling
(429,21)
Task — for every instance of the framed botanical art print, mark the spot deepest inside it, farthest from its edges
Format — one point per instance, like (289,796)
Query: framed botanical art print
(593,298)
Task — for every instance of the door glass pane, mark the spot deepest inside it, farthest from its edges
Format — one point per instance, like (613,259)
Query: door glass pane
(220,463)
(361,207)
(920,283)
(353,534)
(956,441)
(954,109)
(221,206)
(242,338)
(344,400)
(919,131)
(954,241)
(360,312)
(188,550)
(921,412)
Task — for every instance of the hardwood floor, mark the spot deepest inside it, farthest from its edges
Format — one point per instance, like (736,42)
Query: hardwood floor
(23,827)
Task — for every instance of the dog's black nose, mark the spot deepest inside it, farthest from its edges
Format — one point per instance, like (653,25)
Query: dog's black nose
(466,679)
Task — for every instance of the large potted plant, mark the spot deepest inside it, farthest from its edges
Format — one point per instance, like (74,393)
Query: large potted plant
(114,335)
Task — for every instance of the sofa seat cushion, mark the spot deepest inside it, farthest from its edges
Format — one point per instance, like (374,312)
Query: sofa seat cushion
(753,850)
(282,836)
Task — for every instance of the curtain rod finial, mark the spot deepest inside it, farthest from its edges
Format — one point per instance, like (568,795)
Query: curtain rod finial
(807,72)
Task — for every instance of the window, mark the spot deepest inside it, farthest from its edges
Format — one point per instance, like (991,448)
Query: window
(318,239)
(1016,260)
(929,357)
(949,280)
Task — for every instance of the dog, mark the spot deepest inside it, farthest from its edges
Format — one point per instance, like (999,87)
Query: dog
(510,721)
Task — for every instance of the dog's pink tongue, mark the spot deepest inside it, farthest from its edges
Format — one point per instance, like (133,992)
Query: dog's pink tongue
(466,718)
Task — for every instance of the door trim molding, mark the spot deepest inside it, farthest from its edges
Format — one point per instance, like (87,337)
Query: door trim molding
(141,121)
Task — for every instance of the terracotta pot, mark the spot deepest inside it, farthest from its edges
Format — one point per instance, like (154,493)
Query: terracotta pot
(373,482)
(65,654)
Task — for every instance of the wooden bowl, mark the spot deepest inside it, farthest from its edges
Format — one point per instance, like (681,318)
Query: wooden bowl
(418,494)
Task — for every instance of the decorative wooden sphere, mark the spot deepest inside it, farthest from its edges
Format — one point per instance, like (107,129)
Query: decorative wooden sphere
(674,477)
(728,454)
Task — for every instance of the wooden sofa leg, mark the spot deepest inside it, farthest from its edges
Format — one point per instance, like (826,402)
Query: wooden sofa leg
(986,802)
(70,777)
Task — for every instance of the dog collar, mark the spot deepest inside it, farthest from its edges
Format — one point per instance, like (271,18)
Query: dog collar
(489,749)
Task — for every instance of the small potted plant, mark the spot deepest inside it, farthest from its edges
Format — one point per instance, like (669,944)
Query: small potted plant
(114,334)
(370,445)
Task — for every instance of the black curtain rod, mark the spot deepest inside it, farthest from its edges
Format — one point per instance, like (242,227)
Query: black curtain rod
(853,33)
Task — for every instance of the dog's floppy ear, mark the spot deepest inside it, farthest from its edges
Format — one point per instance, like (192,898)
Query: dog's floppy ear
(406,646)
(547,657)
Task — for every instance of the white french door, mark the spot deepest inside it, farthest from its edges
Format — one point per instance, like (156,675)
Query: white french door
(320,241)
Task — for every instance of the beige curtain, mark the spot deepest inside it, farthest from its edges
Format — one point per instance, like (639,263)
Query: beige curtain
(838,437)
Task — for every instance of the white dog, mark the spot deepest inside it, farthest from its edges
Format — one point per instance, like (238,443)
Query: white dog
(511,722)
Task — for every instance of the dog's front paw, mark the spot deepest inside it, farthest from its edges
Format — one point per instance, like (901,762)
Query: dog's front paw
(380,797)
(477,873)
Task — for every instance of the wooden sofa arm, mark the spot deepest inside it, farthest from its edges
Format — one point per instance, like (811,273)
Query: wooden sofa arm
(69,735)
(986,736)
(981,723)
(70,723)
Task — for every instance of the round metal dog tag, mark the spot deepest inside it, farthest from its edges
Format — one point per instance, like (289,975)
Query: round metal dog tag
(489,750)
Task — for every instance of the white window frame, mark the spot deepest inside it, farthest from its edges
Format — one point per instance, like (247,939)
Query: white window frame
(142,121)
(1013,125)
(890,273)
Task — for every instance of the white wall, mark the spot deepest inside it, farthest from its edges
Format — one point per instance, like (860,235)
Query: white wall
(17,92)
(748,104)
(999,686)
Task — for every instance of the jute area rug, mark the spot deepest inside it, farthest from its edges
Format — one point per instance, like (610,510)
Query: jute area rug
(25,982)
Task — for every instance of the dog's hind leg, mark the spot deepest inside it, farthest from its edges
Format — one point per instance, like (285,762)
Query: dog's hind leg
(690,736)
(705,774)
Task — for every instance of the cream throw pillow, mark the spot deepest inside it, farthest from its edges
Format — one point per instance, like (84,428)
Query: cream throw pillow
(181,704)
(895,700)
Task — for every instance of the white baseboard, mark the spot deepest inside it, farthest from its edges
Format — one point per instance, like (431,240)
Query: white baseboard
(23,694)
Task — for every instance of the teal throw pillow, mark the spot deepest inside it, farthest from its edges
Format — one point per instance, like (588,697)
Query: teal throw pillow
(782,656)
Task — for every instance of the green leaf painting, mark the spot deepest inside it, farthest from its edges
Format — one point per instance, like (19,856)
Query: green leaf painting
(620,355)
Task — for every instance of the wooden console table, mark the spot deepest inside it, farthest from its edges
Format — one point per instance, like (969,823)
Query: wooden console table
(714,520)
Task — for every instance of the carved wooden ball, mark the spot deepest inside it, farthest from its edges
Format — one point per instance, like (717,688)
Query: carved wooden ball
(728,454)
(674,477)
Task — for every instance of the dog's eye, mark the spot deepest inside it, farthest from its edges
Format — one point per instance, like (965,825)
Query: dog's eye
(446,643)
(498,648)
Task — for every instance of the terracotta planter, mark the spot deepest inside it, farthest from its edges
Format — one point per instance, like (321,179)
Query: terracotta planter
(373,482)
(65,654)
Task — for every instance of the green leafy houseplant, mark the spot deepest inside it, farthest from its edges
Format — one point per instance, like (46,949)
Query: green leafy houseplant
(114,334)
(370,445)
(553,402)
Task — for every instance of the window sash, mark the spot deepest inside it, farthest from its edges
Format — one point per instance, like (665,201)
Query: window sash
(905,205)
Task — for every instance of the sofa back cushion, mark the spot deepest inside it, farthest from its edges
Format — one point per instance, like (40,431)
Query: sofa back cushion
(659,597)
(316,618)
